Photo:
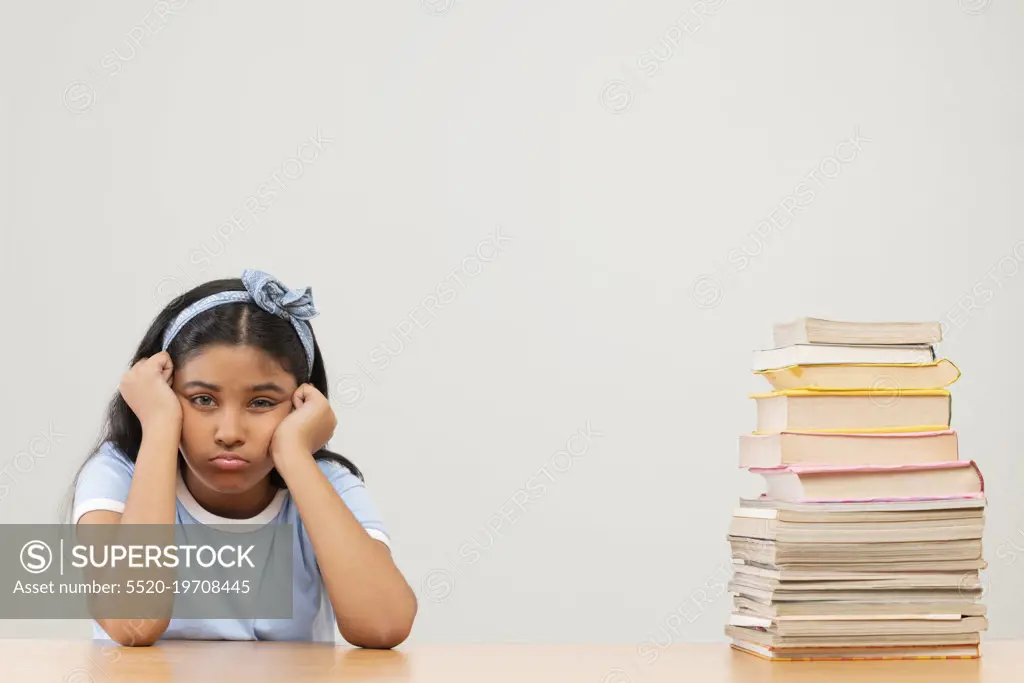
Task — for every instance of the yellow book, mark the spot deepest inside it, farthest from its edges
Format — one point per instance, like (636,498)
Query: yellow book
(872,376)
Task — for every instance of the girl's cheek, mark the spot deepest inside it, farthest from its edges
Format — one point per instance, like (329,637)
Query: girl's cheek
(269,426)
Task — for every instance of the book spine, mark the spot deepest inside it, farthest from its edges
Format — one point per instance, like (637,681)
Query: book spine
(981,477)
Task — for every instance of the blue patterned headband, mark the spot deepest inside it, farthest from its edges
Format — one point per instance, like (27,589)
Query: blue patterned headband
(269,294)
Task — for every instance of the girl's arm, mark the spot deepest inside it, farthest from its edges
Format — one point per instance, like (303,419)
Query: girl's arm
(151,496)
(372,601)
(151,500)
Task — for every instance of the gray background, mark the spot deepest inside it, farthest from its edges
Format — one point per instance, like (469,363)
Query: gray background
(628,185)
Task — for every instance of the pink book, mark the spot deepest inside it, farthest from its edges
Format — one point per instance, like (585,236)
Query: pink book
(839,484)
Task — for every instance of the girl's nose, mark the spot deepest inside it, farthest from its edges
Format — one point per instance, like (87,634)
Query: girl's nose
(230,430)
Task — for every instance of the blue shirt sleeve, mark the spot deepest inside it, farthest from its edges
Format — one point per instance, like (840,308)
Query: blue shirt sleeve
(357,497)
(103,483)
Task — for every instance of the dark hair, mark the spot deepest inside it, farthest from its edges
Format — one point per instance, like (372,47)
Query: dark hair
(233,324)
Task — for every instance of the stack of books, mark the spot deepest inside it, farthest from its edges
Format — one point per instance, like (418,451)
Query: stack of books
(866,543)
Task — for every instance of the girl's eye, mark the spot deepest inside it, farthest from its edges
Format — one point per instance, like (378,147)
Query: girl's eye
(257,403)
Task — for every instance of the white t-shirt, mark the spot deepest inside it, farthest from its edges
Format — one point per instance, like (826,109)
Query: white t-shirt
(104,484)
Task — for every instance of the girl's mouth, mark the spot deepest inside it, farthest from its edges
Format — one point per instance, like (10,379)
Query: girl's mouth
(229,462)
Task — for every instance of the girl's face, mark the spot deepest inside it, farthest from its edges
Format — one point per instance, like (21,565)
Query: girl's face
(232,400)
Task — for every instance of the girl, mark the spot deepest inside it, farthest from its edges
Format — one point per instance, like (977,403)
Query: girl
(223,418)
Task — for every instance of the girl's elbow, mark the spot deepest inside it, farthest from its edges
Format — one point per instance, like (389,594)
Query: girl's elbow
(136,642)
(388,632)
(135,632)
(383,636)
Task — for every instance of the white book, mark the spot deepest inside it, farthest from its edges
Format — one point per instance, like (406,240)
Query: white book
(748,505)
(847,652)
(833,354)
(822,331)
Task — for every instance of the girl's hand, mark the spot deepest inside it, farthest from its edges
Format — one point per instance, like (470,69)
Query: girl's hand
(308,427)
(146,389)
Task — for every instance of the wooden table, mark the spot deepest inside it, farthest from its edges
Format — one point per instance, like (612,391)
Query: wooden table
(60,661)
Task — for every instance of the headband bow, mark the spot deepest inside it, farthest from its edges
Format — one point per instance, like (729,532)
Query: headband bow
(263,289)
(273,297)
